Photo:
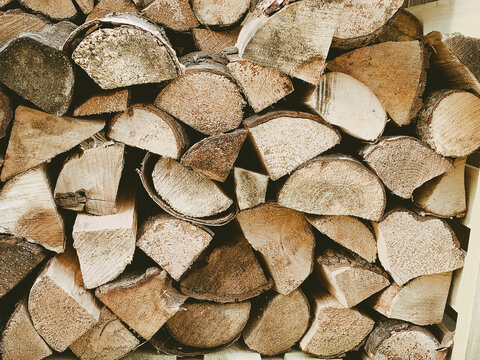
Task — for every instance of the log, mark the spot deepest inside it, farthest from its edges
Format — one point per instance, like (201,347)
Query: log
(4,3)
(349,232)
(403,26)
(38,137)
(421,301)
(250,188)
(262,86)
(404,163)
(410,245)
(20,340)
(347,103)
(86,6)
(223,13)
(172,243)
(284,240)
(60,307)
(143,301)
(173,14)
(149,128)
(286,139)
(394,71)
(13,22)
(212,41)
(450,122)
(233,352)
(105,7)
(6,112)
(109,101)
(334,185)
(59,10)
(327,336)
(299,355)
(278,323)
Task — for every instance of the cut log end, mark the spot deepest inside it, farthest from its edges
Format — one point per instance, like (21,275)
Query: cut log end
(250,188)
(104,102)
(61,10)
(221,13)
(173,14)
(215,41)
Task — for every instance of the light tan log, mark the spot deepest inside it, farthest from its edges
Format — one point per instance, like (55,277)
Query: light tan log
(404,163)
(450,122)
(299,355)
(394,71)
(104,7)
(4,3)
(58,10)
(60,307)
(109,101)
(149,128)
(221,13)
(334,185)
(143,301)
(13,22)
(286,139)
(174,244)
(250,188)
(6,112)
(173,14)
(86,6)
(233,352)
(410,245)
(215,41)
(403,26)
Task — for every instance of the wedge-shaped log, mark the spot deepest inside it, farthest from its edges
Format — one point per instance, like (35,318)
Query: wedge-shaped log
(250,188)
(15,21)
(86,6)
(215,41)
(300,355)
(220,13)
(403,26)
(404,163)
(59,10)
(105,7)
(173,14)
(394,71)
(334,185)
(233,352)
(108,101)
(6,113)
(410,245)
(286,139)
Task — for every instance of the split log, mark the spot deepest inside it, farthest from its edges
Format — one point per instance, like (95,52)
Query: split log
(335,329)
(214,156)
(343,101)
(299,355)
(233,352)
(173,14)
(250,188)
(108,339)
(349,232)
(17,259)
(262,86)
(172,243)
(348,277)
(445,195)
(60,307)
(394,71)
(421,301)
(105,7)
(410,245)
(4,3)
(284,240)
(86,6)
(278,323)
(403,26)
(89,179)
(6,112)
(227,271)
(399,340)
(450,122)
(146,352)
(58,10)
(212,41)
(149,128)
(334,185)
(20,340)
(14,22)
(38,137)
(143,301)
(27,209)
(221,13)
(46,76)
(404,163)
(109,101)
(286,139)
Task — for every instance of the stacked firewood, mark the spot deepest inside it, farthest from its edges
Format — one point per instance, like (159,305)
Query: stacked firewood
(286,187)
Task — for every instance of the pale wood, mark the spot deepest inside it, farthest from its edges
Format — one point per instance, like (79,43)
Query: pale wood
(233,352)
(299,355)
(60,307)
(13,22)
(222,13)
(174,14)
(6,112)
(104,102)
(86,6)
(105,7)
(143,301)
(58,10)
(285,140)
(403,26)
(250,187)
(148,354)
(215,41)
(4,3)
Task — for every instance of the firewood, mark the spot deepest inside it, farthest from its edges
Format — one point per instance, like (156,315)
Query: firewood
(334,185)
(250,188)
(143,301)
(104,102)
(227,271)
(394,71)
(284,240)
(146,352)
(6,112)
(349,232)
(450,122)
(89,179)
(297,52)
(262,86)
(233,352)
(410,245)
(105,7)
(149,128)
(215,41)
(86,6)
(108,339)
(14,22)
(403,26)
(445,195)
(278,323)
(58,10)
(17,259)
(421,301)
(208,325)
(174,244)
(221,13)
(27,209)
(60,307)
(286,139)
(214,156)
(38,137)
(173,14)
(393,339)
(4,3)
(46,76)
(404,163)
(345,102)
(20,340)
(335,329)
(348,277)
